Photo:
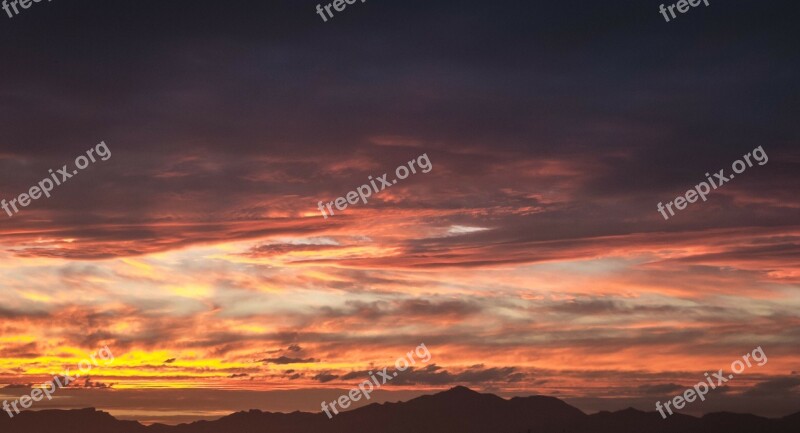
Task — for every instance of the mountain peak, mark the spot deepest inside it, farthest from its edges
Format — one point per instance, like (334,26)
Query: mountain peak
(460,390)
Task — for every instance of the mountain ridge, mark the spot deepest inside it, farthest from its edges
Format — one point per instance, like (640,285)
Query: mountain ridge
(457,410)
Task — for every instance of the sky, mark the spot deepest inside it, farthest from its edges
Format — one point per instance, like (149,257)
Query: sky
(529,259)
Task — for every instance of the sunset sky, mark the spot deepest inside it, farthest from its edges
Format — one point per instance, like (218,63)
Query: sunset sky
(531,259)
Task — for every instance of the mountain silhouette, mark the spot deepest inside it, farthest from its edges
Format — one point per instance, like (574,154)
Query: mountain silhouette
(458,410)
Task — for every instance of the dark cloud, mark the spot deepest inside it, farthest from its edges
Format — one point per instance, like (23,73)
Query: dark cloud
(660,389)
(612,306)
(436,375)
(403,308)
(87,383)
(27,350)
(325,377)
(286,360)
(787,386)
(15,314)
(608,141)
(277,249)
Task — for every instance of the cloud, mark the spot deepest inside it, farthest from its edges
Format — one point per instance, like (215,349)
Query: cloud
(26,350)
(660,389)
(87,383)
(436,375)
(325,377)
(786,386)
(286,360)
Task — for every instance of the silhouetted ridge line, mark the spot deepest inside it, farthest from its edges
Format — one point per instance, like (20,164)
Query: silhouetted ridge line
(458,410)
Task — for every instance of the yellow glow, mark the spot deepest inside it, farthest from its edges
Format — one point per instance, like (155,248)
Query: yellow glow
(138,265)
(37,297)
(194,291)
